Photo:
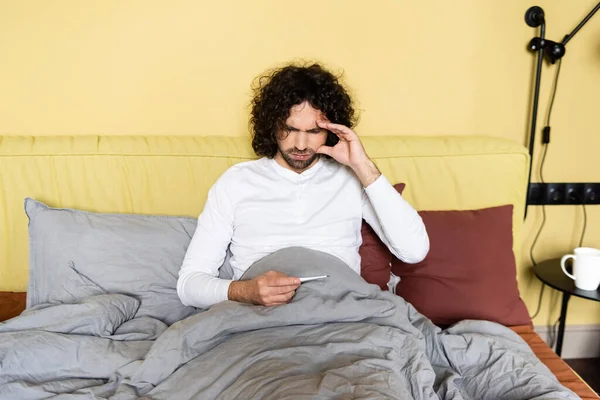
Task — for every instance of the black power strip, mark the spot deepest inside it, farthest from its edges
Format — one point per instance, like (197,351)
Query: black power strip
(549,194)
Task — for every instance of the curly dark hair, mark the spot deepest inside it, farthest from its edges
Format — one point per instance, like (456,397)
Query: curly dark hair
(277,91)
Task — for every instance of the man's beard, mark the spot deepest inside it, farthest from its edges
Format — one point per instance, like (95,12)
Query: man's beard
(298,164)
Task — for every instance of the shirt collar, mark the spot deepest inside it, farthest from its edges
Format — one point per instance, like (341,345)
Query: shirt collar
(294,176)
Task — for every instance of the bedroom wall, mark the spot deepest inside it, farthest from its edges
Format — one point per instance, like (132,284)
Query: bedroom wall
(424,68)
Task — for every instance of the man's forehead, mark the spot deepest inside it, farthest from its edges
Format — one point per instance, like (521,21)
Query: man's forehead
(304,116)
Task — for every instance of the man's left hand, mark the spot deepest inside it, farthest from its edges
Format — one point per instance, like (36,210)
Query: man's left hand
(350,151)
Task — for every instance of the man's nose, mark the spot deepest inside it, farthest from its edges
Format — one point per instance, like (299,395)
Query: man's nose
(301,141)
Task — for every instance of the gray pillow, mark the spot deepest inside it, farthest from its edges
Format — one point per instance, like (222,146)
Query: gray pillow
(73,251)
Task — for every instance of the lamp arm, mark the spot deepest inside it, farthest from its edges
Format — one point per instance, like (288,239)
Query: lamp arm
(554,50)
(581,24)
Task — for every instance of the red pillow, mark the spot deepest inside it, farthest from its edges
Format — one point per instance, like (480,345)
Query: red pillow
(470,271)
(375,257)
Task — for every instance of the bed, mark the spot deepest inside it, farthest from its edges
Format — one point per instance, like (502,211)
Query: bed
(97,223)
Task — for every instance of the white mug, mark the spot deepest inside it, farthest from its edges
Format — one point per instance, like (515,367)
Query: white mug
(586,267)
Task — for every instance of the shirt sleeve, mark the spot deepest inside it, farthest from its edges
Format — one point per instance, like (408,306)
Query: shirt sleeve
(198,284)
(395,221)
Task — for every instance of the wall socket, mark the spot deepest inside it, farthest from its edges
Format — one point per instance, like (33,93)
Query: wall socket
(563,193)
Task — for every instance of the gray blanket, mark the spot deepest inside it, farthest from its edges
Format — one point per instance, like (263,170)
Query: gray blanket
(339,338)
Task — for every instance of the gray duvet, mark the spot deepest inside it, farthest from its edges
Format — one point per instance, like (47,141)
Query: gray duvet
(339,338)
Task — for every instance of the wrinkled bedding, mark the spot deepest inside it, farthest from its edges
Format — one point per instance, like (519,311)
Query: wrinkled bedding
(339,338)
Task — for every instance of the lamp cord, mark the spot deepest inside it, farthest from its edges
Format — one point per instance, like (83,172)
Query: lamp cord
(553,92)
(546,140)
(539,306)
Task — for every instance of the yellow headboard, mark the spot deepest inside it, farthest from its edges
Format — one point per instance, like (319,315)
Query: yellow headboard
(170,175)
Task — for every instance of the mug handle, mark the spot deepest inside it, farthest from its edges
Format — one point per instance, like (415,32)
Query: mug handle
(562,265)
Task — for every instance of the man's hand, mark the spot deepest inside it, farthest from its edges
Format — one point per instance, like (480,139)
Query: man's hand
(269,289)
(350,151)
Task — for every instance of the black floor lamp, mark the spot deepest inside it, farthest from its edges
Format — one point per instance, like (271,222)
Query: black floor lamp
(553,51)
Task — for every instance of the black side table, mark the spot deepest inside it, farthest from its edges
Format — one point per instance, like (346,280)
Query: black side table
(551,274)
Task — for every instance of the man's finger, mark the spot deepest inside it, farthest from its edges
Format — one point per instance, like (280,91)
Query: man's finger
(276,304)
(283,281)
(336,128)
(279,299)
(284,289)
(325,150)
(290,295)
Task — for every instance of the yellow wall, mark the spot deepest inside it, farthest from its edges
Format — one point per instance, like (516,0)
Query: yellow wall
(437,67)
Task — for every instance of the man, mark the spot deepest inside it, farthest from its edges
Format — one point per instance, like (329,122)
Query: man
(312,188)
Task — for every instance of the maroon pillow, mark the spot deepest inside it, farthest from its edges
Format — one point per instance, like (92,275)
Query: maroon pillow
(375,256)
(470,270)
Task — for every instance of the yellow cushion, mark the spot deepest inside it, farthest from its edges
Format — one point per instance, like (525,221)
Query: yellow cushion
(171,175)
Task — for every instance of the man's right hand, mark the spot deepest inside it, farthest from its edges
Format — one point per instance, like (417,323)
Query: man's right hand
(269,289)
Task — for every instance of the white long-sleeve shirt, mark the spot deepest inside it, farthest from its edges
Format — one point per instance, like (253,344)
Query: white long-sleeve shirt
(258,207)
